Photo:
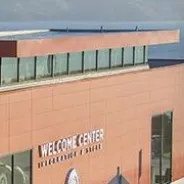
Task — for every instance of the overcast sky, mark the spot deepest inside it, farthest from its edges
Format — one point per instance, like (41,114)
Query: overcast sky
(101,10)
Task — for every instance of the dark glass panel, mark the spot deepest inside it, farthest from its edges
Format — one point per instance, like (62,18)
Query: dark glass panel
(156,125)
(27,67)
(167,146)
(139,55)
(128,56)
(116,57)
(44,66)
(22,168)
(75,62)
(6,170)
(89,60)
(156,148)
(103,59)
(161,147)
(9,70)
(60,64)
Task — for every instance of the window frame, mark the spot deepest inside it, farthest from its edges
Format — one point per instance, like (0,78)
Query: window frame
(171,149)
(12,158)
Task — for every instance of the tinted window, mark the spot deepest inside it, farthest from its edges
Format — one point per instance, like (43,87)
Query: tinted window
(60,64)
(44,66)
(5,170)
(89,60)
(22,168)
(161,148)
(27,68)
(167,145)
(128,56)
(116,57)
(75,62)
(9,70)
(139,55)
(103,59)
(156,125)
(16,168)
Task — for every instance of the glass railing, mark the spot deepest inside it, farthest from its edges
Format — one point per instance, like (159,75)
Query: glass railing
(17,70)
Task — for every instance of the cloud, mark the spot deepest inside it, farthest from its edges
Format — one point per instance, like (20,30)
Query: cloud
(87,10)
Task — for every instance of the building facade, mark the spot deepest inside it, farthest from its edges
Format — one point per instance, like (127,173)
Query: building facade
(87,108)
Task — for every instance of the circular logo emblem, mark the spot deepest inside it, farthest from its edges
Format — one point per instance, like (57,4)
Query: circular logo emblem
(72,177)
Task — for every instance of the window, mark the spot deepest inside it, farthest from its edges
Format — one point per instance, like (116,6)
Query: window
(116,57)
(103,59)
(60,64)
(27,69)
(161,148)
(9,70)
(44,66)
(22,167)
(89,60)
(16,168)
(128,56)
(75,62)
(139,55)
(5,169)
(15,70)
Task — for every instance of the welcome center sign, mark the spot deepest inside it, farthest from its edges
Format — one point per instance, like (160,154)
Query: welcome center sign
(66,148)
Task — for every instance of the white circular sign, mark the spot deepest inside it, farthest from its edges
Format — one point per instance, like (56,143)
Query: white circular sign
(72,177)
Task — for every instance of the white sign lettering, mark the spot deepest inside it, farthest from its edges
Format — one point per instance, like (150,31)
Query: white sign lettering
(88,142)
(69,143)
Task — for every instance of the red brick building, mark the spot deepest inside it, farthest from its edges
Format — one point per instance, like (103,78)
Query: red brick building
(85,107)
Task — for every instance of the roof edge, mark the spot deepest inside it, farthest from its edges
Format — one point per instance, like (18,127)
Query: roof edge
(20,32)
(38,47)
